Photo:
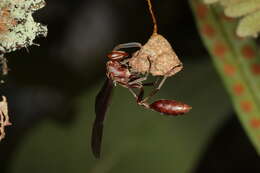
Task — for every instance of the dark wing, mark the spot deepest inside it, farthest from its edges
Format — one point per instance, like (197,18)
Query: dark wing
(101,105)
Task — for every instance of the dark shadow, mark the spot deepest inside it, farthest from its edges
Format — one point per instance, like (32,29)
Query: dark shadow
(229,151)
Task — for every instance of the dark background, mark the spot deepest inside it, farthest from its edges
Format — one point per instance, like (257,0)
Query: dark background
(51,92)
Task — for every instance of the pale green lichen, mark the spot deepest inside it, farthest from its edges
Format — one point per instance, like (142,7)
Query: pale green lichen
(249,10)
(17,30)
(17,26)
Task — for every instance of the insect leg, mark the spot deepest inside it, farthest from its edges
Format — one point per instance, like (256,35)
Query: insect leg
(139,80)
(132,91)
(139,96)
(134,86)
(127,45)
(153,92)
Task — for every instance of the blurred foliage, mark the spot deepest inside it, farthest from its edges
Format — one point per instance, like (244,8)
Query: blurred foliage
(237,61)
(135,139)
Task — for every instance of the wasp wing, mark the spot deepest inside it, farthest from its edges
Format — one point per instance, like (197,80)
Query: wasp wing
(101,106)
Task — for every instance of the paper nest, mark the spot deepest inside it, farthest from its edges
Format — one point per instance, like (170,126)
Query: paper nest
(162,58)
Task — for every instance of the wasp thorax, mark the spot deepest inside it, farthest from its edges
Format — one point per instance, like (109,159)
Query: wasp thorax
(161,55)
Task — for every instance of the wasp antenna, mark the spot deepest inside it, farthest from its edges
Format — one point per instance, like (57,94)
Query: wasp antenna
(155,28)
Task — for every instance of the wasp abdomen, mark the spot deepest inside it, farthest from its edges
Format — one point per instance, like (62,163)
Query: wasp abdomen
(170,107)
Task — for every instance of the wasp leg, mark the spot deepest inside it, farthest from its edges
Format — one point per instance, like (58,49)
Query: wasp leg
(127,45)
(139,80)
(134,94)
(139,97)
(153,92)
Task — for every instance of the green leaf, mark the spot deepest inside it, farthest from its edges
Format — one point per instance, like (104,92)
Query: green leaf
(242,8)
(249,25)
(249,10)
(237,61)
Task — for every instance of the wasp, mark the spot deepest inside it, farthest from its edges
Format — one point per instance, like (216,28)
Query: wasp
(120,71)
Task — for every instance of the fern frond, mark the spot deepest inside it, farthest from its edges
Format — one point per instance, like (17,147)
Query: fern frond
(237,61)
(249,10)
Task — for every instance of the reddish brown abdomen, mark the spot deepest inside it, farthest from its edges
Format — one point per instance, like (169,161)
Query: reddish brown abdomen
(170,107)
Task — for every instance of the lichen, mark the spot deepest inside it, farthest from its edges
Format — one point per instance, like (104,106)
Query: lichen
(4,118)
(17,26)
(17,30)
